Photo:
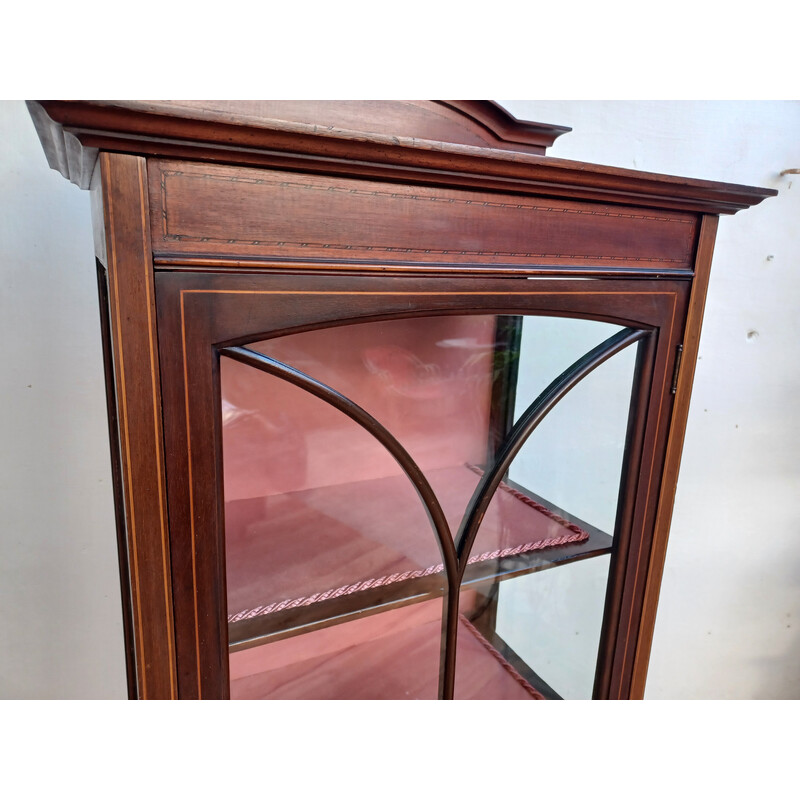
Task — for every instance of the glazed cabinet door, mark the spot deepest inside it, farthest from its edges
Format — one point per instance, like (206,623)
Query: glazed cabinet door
(411,487)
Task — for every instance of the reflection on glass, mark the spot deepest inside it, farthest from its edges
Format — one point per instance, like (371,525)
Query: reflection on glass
(577,456)
(308,493)
(547,621)
(552,619)
(334,572)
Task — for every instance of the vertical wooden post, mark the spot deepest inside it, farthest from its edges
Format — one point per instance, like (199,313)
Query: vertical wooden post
(132,322)
(680,414)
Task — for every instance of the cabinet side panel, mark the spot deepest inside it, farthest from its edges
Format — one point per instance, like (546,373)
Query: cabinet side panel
(680,414)
(116,476)
(136,374)
(202,210)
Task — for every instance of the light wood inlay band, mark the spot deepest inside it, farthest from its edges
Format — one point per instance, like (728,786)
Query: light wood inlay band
(131,297)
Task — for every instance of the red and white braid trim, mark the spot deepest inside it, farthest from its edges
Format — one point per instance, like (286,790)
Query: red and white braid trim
(577,535)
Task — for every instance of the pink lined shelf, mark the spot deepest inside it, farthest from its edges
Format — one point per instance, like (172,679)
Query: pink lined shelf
(394,655)
(303,557)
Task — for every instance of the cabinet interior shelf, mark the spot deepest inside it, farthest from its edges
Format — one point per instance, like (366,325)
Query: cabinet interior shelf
(362,550)
(396,656)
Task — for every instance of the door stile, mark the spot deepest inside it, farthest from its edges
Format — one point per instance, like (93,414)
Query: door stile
(680,414)
(137,384)
(632,464)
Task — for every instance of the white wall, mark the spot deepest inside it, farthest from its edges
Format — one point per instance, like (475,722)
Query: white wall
(730,604)
(60,618)
(729,618)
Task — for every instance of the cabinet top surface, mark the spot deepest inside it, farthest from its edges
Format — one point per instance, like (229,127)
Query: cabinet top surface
(468,143)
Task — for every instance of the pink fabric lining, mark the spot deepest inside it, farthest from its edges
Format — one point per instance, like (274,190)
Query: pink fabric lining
(403,576)
(575,536)
(393,655)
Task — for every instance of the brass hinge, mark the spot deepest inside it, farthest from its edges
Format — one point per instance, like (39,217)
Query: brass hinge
(678,358)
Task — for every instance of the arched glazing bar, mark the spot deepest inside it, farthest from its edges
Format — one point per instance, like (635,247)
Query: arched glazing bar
(519,434)
(429,500)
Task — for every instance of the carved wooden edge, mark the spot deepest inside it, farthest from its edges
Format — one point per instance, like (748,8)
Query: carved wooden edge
(64,152)
(148,129)
(459,121)
(137,382)
(680,413)
(505,126)
(471,116)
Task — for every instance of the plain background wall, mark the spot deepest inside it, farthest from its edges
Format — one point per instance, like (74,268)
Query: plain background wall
(730,602)
(60,618)
(728,624)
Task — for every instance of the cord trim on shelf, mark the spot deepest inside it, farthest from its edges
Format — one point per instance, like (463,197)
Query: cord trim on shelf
(576,536)
(507,666)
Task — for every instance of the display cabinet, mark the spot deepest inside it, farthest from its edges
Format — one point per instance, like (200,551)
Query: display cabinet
(396,400)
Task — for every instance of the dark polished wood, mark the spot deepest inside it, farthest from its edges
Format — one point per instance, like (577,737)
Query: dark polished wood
(680,414)
(220,224)
(207,210)
(132,320)
(506,354)
(510,133)
(128,621)
(626,509)
(401,267)
(75,131)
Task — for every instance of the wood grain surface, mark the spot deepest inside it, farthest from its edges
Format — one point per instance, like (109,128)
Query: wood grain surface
(199,210)
(74,131)
(132,320)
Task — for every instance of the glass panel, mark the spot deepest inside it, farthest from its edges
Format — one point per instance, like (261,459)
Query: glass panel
(578,456)
(392,655)
(541,607)
(483,668)
(315,508)
(334,572)
(552,620)
(427,380)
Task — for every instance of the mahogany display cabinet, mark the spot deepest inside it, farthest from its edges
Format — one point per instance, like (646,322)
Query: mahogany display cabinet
(396,400)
